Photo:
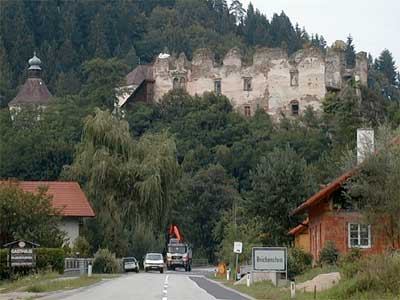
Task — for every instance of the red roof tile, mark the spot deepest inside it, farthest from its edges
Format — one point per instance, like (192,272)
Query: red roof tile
(67,196)
(299,228)
(330,188)
(323,193)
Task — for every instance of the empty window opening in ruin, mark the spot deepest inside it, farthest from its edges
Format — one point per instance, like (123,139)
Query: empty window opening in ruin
(295,107)
(175,84)
(179,83)
(247,84)
(247,111)
(182,83)
(217,86)
(294,78)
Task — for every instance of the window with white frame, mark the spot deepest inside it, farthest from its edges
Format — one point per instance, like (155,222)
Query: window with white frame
(359,235)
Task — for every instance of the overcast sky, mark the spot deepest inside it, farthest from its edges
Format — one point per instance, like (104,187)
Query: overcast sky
(374,24)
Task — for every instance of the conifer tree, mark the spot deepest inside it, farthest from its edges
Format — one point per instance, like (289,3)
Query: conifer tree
(350,53)
(386,64)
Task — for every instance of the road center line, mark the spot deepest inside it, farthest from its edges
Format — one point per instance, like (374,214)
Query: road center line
(165,290)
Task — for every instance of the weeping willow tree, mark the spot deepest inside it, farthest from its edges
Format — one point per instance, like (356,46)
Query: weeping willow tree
(128,181)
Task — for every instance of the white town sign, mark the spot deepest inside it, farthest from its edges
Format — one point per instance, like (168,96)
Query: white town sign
(272,259)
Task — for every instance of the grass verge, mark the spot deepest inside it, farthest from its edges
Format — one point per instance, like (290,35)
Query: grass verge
(7,286)
(50,282)
(64,284)
(266,291)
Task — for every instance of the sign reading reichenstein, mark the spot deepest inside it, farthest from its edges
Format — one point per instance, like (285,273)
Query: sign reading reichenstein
(272,259)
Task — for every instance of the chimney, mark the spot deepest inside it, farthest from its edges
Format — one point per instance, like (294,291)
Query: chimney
(365,143)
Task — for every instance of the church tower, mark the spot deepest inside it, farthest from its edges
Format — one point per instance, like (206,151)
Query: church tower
(34,92)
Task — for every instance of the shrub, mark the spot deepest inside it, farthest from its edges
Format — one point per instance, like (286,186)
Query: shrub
(50,258)
(350,263)
(3,264)
(67,250)
(354,255)
(329,254)
(299,261)
(378,273)
(82,247)
(105,262)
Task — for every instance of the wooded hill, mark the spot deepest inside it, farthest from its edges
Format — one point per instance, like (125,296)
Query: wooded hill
(232,175)
(67,33)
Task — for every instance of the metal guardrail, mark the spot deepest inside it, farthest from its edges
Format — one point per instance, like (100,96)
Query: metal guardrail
(77,265)
(200,262)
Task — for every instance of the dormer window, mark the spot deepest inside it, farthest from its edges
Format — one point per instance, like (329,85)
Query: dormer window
(294,105)
(217,86)
(294,78)
(247,84)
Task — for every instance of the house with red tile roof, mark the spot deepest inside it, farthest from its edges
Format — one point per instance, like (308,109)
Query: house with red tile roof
(67,197)
(332,218)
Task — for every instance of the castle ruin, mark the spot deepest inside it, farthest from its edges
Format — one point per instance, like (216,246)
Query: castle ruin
(275,82)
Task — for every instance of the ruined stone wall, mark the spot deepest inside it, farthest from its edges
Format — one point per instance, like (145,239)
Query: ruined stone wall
(276,80)
(361,69)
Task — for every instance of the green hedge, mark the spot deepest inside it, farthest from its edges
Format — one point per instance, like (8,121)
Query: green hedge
(50,258)
(3,263)
(46,258)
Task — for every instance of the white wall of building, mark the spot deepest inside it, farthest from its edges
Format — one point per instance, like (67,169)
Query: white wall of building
(70,225)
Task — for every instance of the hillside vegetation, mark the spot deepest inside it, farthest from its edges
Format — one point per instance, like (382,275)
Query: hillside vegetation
(191,160)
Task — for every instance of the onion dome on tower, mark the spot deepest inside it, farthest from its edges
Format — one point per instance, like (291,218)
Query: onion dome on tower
(34,91)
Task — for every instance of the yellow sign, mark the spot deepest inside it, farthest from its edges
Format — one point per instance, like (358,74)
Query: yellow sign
(221,268)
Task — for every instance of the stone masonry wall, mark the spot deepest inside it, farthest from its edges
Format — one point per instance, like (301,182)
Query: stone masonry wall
(277,82)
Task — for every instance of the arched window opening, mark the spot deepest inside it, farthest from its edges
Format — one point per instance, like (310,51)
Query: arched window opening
(175,83)
(295,107)
(182,83)
(294,78)
(247,111)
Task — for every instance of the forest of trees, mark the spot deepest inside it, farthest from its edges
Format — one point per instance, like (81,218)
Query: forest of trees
(191,160)
(65,34)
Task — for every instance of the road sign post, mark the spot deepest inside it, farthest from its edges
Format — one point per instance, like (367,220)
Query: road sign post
(270,259)
(237,248)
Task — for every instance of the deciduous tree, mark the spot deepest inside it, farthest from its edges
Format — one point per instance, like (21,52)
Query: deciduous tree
(29,216)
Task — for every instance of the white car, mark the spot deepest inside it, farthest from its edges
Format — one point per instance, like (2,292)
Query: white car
(130,264)
(153,261)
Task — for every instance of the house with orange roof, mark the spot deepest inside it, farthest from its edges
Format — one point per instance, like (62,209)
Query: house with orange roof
(68,198)
(331,217)
(301,237)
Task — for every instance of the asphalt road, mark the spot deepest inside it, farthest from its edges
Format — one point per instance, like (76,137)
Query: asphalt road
(152,286)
